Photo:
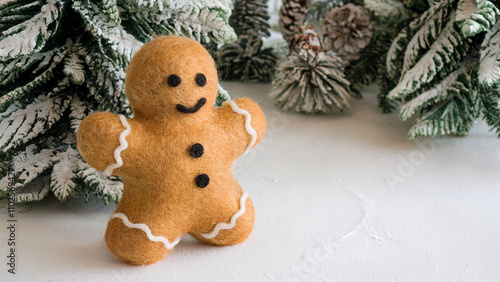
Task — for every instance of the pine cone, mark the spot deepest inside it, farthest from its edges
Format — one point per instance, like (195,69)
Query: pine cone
(250,16)
(306,39)
(292,14)
(311,83)
(246,60)
(347,30)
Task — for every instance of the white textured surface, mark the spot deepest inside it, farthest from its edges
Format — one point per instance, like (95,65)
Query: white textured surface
(324,210)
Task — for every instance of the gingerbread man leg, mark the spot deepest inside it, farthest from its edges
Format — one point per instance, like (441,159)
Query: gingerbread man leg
(135,243)
(235,230)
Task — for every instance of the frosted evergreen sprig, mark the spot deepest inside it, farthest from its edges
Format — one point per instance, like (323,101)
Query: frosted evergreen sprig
(433,68)
(489,77)
(387,18)
(475,17)
(489,63)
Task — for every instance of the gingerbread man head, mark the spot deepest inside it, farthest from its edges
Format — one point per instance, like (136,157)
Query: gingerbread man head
(175,156)
(159,83)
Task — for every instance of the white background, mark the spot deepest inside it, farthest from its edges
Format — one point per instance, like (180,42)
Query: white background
(326,209)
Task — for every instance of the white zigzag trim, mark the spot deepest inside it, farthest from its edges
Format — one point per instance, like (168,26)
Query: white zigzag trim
(248,125)
(146,230)
(123,146)
(222,225)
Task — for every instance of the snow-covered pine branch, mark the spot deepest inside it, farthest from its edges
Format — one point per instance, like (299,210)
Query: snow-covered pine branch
(11,70)
(489,77)
(106,30)
(29,165)
(451,85)
(63,172)
(32,35)
(23,125)
(489,63)
(398,48)
(78,111)
(455,114)
(74,67)
(476,16)
(52,61)
(426,34)
(203,24)
(443,54)
(105,83)
(96,184)
(442,75)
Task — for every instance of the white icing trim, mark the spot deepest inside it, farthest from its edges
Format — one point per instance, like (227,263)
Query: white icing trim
(146,230)
(222,225)
(123,146)
(248,125)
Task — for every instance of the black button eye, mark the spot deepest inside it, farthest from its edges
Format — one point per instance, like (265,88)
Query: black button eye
(201,80)
(174,80)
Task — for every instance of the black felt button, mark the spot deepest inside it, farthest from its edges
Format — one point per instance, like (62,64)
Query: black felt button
(201,80)
(202,180)
(197,150)
(174,80)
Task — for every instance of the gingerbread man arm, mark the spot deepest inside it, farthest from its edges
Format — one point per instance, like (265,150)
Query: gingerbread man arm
(245,122)
(98,137)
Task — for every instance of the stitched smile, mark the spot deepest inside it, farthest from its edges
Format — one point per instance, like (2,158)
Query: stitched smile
(184,109)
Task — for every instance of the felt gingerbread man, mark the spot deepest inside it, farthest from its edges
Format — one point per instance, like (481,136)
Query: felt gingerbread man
(175,155)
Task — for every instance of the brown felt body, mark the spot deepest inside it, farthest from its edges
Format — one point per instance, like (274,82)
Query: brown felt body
(159,174)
